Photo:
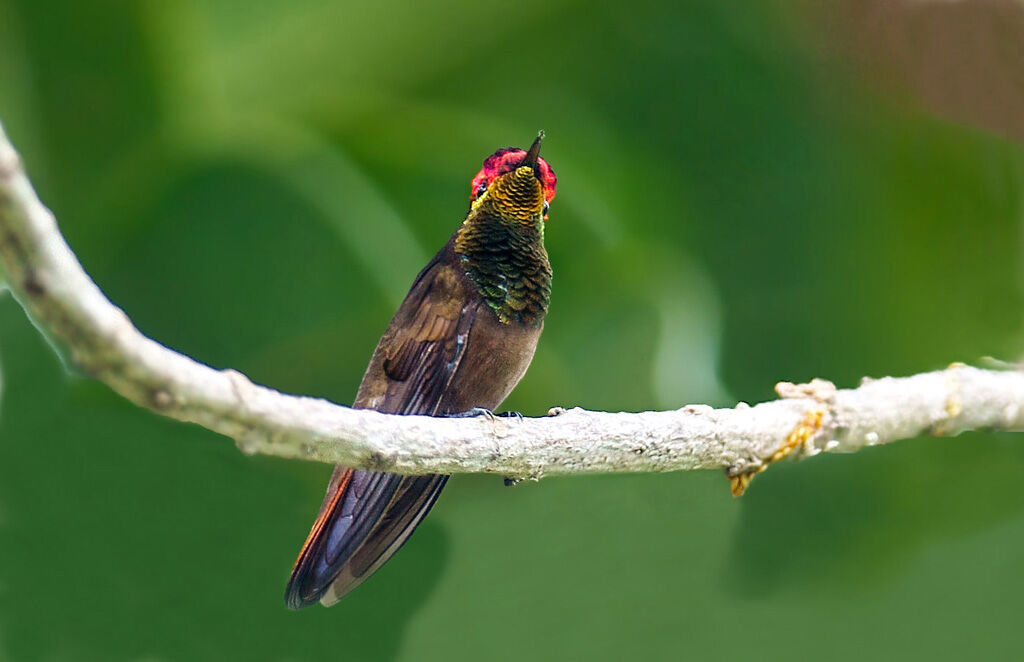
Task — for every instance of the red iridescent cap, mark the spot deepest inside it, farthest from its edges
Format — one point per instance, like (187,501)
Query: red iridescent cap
(507,160)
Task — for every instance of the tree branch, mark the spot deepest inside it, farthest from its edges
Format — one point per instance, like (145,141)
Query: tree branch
(49,282)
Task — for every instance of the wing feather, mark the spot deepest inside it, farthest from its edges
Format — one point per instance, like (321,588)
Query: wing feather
(367,516)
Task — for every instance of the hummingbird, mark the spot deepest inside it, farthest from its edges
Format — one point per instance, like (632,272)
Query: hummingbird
(459,343)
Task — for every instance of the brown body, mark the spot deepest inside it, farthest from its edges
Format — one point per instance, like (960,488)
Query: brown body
(442,305)
(461,339)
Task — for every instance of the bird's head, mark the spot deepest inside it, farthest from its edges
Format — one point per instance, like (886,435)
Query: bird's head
(514,184)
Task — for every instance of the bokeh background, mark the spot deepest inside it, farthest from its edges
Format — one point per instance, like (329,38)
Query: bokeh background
(748,192)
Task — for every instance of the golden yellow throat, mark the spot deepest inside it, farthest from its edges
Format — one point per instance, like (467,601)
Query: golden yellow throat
(501,244)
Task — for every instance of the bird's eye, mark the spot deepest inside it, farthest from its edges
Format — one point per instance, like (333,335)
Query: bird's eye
(480,190)
(547,205)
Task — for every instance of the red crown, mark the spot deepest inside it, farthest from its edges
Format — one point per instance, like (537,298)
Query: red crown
(507,160)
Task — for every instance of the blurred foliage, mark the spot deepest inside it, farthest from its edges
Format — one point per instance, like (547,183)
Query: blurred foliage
(256,184)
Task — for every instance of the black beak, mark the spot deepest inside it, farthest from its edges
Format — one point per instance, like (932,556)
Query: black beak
(531,156)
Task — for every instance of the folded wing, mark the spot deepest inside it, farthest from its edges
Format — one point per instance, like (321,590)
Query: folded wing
(367,516)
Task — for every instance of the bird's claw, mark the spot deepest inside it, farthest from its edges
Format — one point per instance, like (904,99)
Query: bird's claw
(476,412)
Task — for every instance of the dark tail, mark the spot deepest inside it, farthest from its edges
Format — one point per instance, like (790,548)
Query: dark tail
(365,518)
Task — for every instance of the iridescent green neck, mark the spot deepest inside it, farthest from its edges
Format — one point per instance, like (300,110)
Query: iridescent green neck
(507,262)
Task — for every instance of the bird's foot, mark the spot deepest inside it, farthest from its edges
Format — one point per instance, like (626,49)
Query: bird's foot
(476,412)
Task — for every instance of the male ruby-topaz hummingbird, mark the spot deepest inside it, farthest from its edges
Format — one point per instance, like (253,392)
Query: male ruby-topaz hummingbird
(460,341)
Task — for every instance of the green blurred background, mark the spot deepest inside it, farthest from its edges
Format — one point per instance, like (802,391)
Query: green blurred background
(748,192)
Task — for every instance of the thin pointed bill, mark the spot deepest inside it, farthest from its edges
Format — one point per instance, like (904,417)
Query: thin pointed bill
(531,156)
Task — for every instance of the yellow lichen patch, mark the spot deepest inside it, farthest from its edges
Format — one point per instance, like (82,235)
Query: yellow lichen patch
(738,483)
(803,431)
(954,404)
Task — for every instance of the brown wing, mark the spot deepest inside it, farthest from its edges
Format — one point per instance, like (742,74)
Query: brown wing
(367,516)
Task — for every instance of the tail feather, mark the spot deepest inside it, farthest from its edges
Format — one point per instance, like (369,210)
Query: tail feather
(365,518)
